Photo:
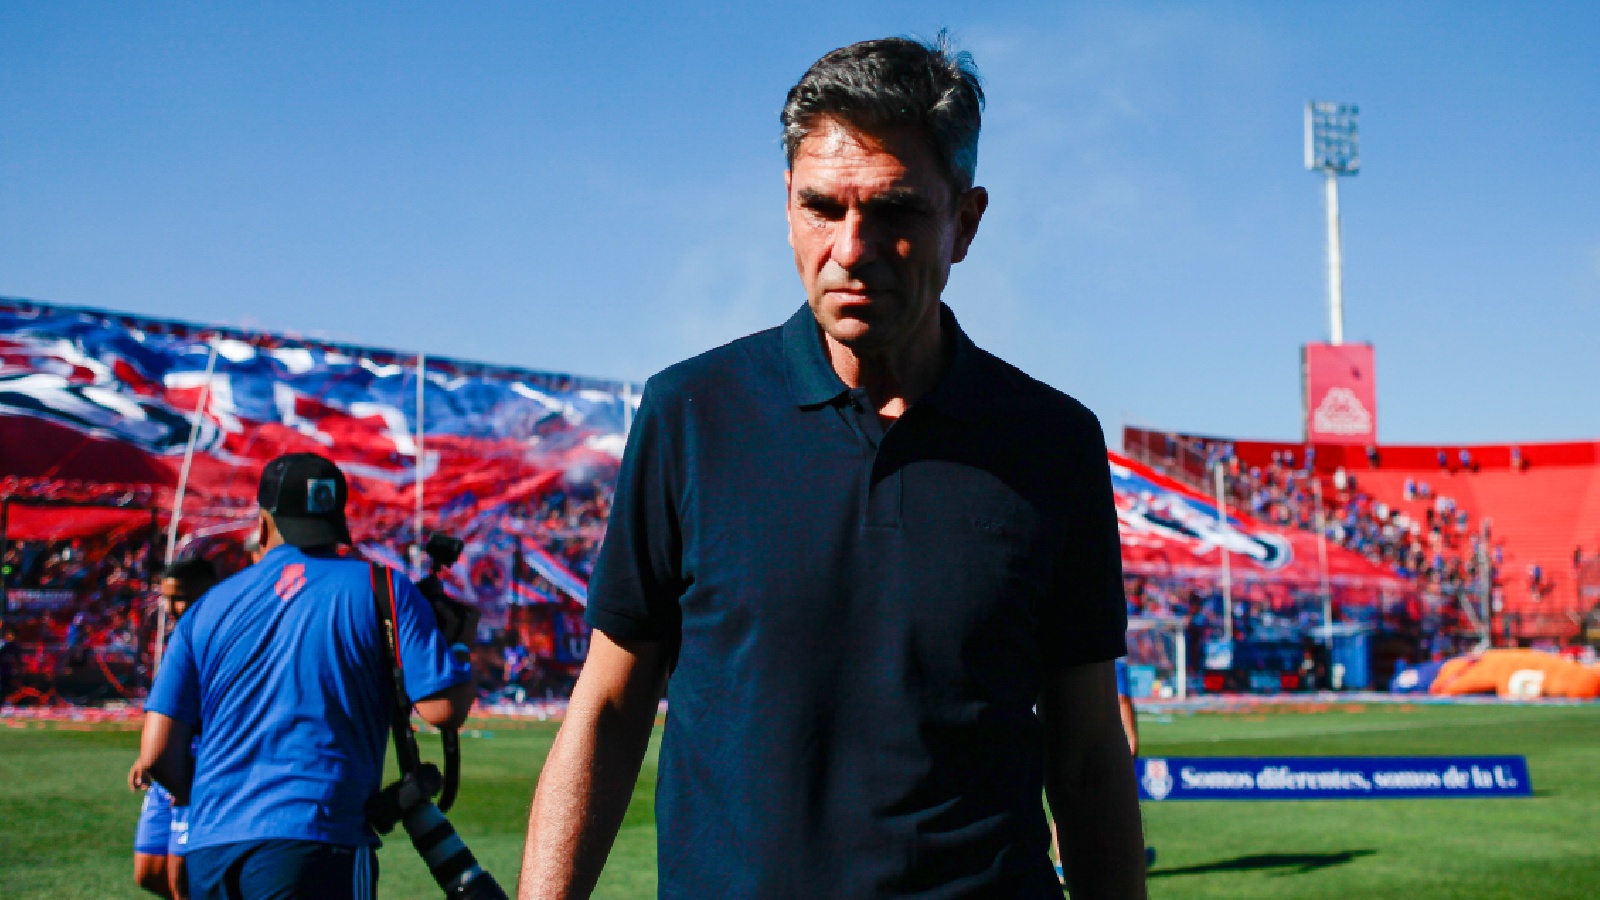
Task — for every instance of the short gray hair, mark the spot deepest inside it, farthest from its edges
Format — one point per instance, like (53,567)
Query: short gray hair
(895,83)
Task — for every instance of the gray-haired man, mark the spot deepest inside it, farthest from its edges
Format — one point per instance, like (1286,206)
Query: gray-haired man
(864,550)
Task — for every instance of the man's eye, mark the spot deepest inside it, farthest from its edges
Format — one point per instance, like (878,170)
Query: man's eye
(899,213)
(830,212)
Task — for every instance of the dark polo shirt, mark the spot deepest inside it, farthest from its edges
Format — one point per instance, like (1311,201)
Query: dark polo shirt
(864,617)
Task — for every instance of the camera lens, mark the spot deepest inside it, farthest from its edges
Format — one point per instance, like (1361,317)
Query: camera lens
(452,865)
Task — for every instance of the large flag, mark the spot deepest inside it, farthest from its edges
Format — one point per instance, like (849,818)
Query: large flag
(97,405)
(528,587)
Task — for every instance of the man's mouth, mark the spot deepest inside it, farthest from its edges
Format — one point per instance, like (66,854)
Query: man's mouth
(858,296)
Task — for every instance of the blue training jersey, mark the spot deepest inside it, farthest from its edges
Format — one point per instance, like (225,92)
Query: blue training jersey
(1122,679)
(282,673)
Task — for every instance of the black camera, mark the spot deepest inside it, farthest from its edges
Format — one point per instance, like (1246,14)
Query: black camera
(457,621)
(409,802)
(443,549)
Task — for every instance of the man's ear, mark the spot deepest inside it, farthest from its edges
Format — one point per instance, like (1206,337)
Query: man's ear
(788,185)
(969,212)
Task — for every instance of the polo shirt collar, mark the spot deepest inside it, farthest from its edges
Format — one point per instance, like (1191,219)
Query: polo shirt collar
(813,382)
(962,390)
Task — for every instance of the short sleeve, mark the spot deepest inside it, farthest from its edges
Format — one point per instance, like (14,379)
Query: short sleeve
(638,580)
(425,658)
(1085,617)
(176,691)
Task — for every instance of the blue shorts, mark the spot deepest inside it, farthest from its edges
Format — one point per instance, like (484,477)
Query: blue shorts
(163,828)
(283,870)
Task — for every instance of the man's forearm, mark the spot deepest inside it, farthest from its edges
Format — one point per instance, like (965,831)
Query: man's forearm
(589,776)
(164,754)
(583,794)
(1102,847)
(176,775)
(450,707)
(1090,782)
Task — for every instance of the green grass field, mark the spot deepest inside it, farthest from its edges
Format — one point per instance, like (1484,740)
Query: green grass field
(66,821)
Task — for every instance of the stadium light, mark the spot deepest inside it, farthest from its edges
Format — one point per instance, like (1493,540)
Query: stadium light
(1333,148)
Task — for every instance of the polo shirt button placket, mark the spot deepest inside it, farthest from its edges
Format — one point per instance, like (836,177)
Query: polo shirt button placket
(882,494)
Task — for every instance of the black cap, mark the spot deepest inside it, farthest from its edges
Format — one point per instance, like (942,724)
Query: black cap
(306,494)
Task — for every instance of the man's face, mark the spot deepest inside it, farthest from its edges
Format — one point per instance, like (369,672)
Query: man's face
(875,226)
(176,595)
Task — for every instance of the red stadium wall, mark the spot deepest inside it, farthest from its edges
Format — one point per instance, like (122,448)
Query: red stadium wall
(1542,500)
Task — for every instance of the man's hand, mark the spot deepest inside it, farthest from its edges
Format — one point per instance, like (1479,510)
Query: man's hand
(164,756)
(592,767)
(457,621)
(460,622)
(139,776)
(1090,782)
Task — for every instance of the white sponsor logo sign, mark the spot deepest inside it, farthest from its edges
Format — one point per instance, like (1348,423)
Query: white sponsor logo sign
(1341,412)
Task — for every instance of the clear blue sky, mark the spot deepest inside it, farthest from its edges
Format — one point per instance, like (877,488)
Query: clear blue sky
(596,188)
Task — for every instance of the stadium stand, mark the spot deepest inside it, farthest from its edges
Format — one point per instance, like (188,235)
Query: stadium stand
(1539,502)
(95,424)
(95,417)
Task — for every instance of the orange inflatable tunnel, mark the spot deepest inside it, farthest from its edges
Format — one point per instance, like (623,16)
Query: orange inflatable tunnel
(1516,674)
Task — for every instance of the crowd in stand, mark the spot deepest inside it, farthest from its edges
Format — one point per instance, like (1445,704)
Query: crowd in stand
(72,491)
(1442,550)
(76,564)
(1260,611)
(76,608)
(521,662)
(81,603)
(569,524)
(1279,619)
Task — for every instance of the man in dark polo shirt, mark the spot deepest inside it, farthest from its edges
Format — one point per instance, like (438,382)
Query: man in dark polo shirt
(864,550)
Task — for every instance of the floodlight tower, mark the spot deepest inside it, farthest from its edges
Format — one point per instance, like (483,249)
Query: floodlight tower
(1333,148)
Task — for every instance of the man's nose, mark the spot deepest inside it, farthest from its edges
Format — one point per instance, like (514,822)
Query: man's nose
(852,242)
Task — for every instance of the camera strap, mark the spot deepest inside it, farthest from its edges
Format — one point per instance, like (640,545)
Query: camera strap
(407,801)
(405,740)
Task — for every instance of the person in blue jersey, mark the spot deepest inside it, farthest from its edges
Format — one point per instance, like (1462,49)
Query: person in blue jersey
(1130,728)
(280,673)
(161,838)
(1130,719)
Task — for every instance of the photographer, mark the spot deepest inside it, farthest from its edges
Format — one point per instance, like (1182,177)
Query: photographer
(281,672)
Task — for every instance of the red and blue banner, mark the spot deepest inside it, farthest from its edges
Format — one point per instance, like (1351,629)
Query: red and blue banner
(95,407)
